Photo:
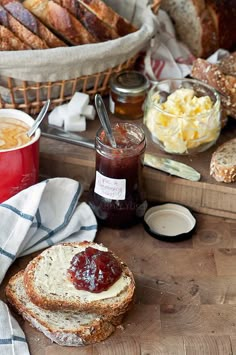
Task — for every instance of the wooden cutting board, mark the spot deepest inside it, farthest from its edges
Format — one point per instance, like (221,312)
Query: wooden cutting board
(206,196)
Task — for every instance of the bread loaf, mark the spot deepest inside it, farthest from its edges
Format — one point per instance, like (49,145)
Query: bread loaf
(26,18)
(228,64)
(48,286)
(60,20)
(203,25)
(64,328)
(100,30)
(213,75)
(8,41)
(223,162)
(109,16)
(20,31)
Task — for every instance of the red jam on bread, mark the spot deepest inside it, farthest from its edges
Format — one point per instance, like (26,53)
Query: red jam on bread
(94,270)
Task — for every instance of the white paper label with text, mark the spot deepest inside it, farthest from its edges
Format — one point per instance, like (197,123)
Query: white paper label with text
(114,189)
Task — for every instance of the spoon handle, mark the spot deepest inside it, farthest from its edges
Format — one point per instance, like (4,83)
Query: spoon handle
(39,119)
(104,119)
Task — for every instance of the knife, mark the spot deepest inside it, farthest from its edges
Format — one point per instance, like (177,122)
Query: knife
(167,165)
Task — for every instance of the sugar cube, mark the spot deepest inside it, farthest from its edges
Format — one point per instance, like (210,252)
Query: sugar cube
(56,117)
(89,112)
(77,103)
(76,123)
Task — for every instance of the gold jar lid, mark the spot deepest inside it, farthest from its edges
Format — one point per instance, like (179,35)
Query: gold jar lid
(130,83)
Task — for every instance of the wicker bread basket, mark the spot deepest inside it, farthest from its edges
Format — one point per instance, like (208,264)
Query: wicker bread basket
(30,95)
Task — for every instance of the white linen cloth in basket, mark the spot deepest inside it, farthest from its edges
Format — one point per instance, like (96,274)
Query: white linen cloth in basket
(40,216)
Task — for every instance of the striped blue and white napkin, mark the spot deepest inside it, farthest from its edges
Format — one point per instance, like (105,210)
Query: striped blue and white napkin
(40,216)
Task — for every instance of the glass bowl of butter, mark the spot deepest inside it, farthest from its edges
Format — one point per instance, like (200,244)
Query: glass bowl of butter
(183,115)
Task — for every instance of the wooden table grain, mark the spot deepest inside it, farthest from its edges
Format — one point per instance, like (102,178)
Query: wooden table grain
(185,294)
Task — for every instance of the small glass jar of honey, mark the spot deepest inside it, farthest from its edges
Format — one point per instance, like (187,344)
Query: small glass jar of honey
(128,91)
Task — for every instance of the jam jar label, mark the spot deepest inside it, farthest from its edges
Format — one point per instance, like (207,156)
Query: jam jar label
(113,189)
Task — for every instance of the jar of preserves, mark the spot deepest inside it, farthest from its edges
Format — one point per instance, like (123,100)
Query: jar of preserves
(127,94)
(116,196)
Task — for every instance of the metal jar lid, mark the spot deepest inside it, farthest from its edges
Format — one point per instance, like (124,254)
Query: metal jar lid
(130,83)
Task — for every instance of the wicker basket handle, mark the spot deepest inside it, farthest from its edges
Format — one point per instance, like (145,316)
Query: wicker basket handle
(155,4)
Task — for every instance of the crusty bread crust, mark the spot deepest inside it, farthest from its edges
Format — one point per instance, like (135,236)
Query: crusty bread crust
(21,31)
(112,307)
(96,330)
(99,29)
(109,16)
(8,41)
(17,10)
(60,21)
(223,162)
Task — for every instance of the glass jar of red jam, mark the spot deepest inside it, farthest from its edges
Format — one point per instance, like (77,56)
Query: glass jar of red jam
(117,196)
(128,91)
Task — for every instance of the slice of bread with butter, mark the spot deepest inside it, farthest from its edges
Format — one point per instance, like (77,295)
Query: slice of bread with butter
(48,285)
(75,293)
(64,328)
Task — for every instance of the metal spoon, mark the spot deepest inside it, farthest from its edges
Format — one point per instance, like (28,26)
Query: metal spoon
(104,119)
(39,119)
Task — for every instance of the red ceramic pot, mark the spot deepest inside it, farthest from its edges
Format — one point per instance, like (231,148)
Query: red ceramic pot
(19,166)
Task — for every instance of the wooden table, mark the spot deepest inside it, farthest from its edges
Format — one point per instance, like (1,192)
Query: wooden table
(185,294)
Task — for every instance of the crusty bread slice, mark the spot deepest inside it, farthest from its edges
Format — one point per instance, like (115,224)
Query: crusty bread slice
(60,21)
(109,16)
(193,24)
(99,29)
(48,285)
(64,328)
(26,36)
(223,162)
(26,18)
(8,41)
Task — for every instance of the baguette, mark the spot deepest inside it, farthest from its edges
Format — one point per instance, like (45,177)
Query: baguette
(109,16)
(26,36)
(100,30)
(8,41)
(224,83)
(223,162)
(60,21)
(48,286)
(26,18)
(64,328)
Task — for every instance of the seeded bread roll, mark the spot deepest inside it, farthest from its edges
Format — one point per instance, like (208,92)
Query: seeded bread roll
(223,162)
(213,75)
(64,328)
(228,64)
(48,285)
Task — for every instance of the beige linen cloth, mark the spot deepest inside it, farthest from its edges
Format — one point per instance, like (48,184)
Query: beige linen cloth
(68,63)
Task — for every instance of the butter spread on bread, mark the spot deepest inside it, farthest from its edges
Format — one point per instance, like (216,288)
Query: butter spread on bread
(47,284)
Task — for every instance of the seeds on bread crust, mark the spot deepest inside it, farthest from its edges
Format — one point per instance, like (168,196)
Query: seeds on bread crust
(223,162)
